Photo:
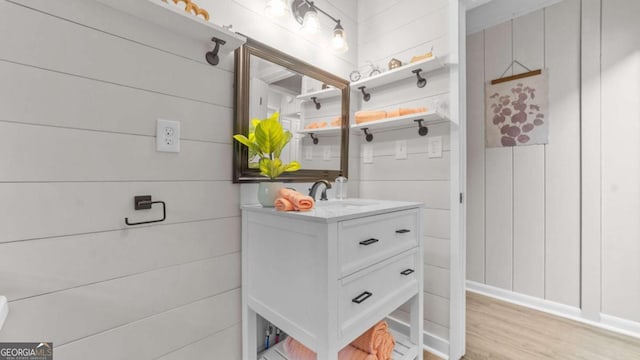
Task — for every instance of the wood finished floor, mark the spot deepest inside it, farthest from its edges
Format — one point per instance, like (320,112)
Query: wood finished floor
(501,331)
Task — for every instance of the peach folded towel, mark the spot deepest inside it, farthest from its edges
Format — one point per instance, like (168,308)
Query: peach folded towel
(297,351)
(405,111)
(337,121)
(377,341)
(282,204)
(300,202)
(367,116)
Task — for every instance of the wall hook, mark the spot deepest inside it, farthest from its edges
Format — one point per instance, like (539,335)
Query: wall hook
(144,202)
(212,56)
(315,138)
(315,101)
(365,96)
(368,136)
(422,130)
(421,81)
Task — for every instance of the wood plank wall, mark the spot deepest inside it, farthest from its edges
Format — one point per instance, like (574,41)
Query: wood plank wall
(81,87)
(523,230)
(402,29)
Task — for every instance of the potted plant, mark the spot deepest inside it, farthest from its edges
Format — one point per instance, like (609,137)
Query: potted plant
(266,143)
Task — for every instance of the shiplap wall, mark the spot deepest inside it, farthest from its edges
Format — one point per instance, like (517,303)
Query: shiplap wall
(523,230)
(620,160)
(382,36)
(82,86)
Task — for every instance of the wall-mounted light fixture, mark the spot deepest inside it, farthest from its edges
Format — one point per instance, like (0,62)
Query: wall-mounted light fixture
(306,13)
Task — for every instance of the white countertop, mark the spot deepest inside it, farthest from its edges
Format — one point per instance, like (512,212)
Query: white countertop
(338,210)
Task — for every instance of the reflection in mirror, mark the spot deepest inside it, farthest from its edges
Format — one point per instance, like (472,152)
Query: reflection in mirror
(312,105)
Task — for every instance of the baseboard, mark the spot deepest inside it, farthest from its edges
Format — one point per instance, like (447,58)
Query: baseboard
(432,343)
(606,322)
(4,310)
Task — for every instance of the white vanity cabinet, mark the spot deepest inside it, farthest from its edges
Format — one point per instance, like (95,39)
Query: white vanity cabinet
(327,275)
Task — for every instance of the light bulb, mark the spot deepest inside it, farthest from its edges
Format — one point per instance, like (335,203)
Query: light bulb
(310,23)
(276,8)
(339,40)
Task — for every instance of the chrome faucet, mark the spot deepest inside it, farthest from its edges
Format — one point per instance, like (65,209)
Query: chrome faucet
(314,189)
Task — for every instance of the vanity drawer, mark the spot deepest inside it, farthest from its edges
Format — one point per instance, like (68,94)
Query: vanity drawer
(364,242)
(364,294)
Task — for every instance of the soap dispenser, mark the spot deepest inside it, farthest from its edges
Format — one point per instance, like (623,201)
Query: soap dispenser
(341,187)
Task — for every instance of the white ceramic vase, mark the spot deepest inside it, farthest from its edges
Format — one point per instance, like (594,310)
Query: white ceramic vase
(268,192)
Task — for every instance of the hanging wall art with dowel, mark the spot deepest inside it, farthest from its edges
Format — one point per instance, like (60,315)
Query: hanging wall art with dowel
(516,109)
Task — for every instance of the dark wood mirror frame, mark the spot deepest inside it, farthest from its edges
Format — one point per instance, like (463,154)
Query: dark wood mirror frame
(241,171)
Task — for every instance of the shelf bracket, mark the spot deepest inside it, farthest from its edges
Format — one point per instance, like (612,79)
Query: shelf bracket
(314,138)
(365,96)
(422,130)
(422,82)
(212,56)
(368,136)
(315,101)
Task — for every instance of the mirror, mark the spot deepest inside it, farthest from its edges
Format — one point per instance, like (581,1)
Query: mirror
(313,104)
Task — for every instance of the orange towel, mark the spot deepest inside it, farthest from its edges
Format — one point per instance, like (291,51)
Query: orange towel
(377,341)
(300,202)
(393,113)
(297,351)
(337,121)
(367,116)
(322,125)
(282,204)
(405,111)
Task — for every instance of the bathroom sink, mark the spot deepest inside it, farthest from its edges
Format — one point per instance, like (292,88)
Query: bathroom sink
(348,203)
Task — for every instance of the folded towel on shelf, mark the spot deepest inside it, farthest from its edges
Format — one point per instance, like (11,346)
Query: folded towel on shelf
(296,351)
(377,341)
(282,204)
(406,111)
(337,121)
(368,115)
(299,201)
(316,125)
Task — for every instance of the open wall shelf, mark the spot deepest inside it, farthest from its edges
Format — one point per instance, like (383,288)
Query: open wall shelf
(174,18)
(401,73)
(407,121)
(320,95)
(326,131)
(404,350)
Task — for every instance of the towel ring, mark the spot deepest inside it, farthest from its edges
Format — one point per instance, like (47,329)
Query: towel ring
(143,202)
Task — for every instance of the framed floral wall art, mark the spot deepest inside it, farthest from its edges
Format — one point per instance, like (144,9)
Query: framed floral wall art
(516,110)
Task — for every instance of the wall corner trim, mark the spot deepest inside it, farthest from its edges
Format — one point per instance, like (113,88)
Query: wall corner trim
(605,322)
(4,310)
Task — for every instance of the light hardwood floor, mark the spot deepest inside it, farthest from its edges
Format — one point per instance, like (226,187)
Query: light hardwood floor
(500,330)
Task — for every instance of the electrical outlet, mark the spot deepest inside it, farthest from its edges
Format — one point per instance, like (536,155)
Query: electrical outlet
(434,147)
(401,150)
(168,136)
(367,153)
(326,153)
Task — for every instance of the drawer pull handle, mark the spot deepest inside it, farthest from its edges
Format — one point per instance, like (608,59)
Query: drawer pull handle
(362,297)
(369,241)
(407,272)
(402,231)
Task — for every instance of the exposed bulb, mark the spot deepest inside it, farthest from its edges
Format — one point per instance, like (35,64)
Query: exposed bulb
(276,8)
(310,23)
(339,40)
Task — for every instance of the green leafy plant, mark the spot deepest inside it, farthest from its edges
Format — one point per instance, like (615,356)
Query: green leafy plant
(266,142)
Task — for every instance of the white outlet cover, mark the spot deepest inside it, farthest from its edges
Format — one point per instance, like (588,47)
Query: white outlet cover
(434,146)
(168,136)
(308,153)
(367,153)
(401,150)
(326,153)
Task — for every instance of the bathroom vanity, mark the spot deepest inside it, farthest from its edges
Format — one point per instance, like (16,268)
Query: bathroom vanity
(327,275)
